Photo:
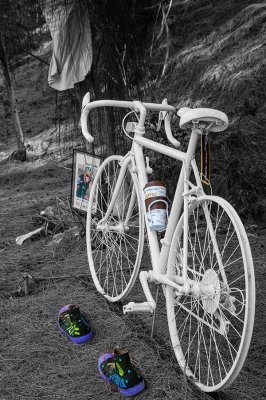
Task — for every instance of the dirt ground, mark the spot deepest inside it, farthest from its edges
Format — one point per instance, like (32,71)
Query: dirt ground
(36,361)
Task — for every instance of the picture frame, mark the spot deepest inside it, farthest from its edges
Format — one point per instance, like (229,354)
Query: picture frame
(84,168)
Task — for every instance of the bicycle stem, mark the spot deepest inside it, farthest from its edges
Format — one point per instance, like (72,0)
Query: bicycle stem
(143,113)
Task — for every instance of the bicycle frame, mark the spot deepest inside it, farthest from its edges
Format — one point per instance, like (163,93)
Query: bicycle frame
(183,195)
(159,258)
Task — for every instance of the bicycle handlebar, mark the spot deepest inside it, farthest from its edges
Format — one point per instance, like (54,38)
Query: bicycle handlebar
(136,105)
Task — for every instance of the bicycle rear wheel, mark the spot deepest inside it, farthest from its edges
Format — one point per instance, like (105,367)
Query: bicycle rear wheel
(115,247)
(211,330)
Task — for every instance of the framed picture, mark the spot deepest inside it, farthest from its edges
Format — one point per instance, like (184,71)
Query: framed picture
(84,169)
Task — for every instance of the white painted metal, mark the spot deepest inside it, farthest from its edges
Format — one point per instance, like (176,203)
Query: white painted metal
(87,106)
(206,289)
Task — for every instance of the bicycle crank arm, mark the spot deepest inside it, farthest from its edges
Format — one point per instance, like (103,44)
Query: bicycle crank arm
(150,305)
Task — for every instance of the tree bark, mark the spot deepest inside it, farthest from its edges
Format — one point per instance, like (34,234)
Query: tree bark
(20,154)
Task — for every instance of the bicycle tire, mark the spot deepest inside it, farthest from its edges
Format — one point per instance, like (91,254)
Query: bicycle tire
(114,255)
(211,333)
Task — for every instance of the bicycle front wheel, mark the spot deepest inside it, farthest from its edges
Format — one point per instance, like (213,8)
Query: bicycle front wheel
(211,327)
(114,244)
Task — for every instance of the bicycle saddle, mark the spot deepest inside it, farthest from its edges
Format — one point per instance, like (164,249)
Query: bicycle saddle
(205,116)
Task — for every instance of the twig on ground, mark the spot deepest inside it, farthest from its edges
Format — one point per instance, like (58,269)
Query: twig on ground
(10,359)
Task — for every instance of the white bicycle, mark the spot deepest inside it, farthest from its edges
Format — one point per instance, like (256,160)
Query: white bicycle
(204,261)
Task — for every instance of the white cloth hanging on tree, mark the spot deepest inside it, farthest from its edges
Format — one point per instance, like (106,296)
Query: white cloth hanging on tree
(72,47)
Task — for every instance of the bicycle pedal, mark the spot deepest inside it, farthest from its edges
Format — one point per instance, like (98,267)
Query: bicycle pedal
(137,307)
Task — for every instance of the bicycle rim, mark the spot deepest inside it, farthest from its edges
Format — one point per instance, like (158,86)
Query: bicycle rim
(115,250)
(211,331)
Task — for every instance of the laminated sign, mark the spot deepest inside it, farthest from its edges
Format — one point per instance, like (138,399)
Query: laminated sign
(84,169)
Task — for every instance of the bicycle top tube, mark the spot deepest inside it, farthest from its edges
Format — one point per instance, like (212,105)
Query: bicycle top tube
(136,105)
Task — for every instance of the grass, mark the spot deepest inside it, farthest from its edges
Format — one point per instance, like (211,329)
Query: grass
(217,60)
(37,361)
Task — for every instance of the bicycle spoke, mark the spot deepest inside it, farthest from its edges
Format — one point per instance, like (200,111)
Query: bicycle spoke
(114,240)
(207,328)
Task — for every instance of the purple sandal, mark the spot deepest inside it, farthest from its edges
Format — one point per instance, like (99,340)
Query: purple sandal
(116,368)
(73,324)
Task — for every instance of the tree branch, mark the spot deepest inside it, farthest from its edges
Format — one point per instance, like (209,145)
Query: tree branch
(30,53)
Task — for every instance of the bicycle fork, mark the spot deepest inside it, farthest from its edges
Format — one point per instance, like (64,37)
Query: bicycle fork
(115,204)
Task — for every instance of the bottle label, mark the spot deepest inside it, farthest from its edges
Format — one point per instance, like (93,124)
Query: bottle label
(157,219)
(154,191)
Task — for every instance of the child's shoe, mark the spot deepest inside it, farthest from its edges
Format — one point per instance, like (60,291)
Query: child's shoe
(73,324)
(117,368)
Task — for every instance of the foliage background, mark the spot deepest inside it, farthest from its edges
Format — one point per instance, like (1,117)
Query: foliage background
(196,53)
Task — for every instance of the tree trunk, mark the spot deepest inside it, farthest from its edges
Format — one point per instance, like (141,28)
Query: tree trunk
(20,154)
